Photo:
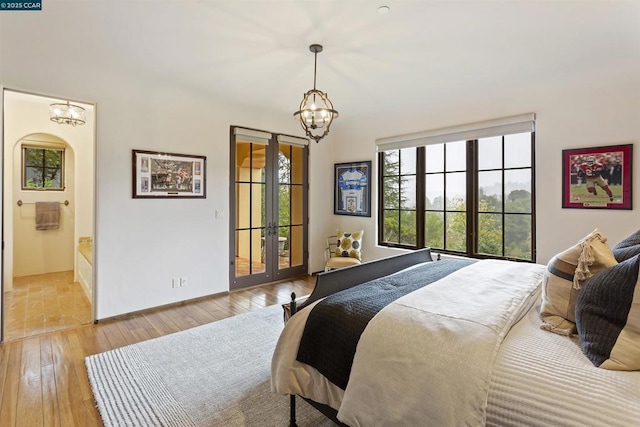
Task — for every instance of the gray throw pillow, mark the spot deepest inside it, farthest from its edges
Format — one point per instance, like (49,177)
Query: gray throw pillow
(608,317)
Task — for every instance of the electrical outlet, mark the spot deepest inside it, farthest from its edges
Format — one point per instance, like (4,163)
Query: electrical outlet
(175,282)
(183,281)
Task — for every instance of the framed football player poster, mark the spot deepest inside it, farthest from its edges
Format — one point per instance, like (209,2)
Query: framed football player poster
(597,177)
(352,190)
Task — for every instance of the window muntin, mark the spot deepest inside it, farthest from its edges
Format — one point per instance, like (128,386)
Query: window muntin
(496,222)
(42,168)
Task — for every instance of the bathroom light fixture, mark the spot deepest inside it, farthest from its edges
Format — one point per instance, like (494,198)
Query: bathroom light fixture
(68,114)
(316,111)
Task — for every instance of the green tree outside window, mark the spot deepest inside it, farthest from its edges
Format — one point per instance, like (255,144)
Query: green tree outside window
(43,168)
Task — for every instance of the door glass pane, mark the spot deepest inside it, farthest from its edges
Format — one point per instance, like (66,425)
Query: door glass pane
(250,209)
(284,205)
(243,245)
(257,262)
(297,165)
(284,164)
(297,213)
(290,206)
(296,245)
(243,206)
(284,244)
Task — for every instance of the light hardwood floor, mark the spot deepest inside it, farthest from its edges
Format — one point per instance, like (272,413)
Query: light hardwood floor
(43,380)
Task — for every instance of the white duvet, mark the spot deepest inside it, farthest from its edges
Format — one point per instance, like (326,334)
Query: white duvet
(426,358)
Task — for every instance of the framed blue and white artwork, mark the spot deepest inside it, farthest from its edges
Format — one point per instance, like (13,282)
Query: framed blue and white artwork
(352,189)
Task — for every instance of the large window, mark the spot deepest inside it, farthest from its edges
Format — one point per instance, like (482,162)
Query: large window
(42,168)
(473,197)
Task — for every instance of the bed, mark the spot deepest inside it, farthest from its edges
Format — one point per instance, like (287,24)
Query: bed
(464,349)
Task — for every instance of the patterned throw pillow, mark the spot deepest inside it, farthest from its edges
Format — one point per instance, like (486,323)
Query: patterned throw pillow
(350,244)
(563,277)
(608,317)
(627,248)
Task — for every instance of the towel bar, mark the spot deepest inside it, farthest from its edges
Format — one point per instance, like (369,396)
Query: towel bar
(20,203)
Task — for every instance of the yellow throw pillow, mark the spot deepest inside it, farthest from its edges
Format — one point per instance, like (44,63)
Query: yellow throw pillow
(563,277)
(349,244)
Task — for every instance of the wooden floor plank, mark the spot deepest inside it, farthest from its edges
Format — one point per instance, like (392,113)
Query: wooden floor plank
(43,380)
(29,410)
(50,410)
(46,357)
(4,366)
(83,398)
(61,373)
(8,405)
(113,334)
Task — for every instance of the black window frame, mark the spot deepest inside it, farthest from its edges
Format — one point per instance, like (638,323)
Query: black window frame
(43,167)
(472,211)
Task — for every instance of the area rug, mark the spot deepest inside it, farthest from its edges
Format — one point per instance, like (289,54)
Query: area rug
(212,375)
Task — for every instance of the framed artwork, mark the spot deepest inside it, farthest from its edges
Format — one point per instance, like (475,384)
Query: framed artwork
(597,177)
(168,175)
(352,189)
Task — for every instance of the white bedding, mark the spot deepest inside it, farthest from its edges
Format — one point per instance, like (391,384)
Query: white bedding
(415,362)
(535,378)
(543,379)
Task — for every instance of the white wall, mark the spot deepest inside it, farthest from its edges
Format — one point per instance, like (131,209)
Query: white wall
(573,115)
(42,251)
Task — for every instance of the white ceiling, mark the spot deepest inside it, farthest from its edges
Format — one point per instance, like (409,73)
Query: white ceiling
(421,55)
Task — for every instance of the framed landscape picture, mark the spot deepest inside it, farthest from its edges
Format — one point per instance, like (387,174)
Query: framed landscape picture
(352,189)
(597,177)
(168,175)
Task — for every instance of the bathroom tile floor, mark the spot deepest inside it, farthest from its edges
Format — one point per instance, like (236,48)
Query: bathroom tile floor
(44,303)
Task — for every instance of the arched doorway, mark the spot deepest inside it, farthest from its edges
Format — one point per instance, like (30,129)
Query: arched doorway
(47,268)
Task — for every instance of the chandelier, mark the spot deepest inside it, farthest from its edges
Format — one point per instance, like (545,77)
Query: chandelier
(68,114)
(316,111)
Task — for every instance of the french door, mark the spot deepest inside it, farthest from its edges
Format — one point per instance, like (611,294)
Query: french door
(268,212)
